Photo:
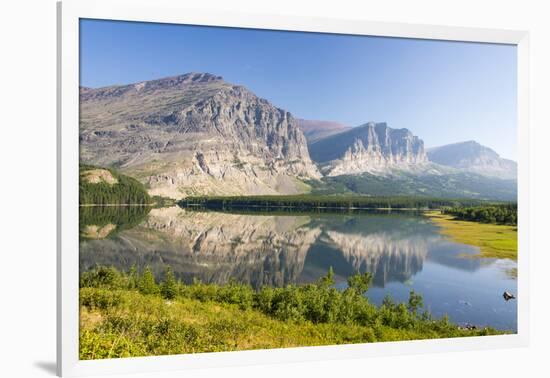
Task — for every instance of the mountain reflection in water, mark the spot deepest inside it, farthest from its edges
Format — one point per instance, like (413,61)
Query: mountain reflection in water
(275,249)
(403,250)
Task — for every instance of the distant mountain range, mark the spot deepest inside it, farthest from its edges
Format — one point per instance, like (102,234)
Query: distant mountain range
(374,147)
(196,134)
(473,157)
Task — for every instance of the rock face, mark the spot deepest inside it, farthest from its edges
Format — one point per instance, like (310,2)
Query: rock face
(194,134)
(315,130)
(473,157)
(372,148)
(97,176)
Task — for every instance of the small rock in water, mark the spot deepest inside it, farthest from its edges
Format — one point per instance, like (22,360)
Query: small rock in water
(465,303)
(507,296)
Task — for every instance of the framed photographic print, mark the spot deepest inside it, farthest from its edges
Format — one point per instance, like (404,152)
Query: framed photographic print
(249,188)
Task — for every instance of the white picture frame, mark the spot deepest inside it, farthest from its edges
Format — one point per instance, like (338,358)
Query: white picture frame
(171,11)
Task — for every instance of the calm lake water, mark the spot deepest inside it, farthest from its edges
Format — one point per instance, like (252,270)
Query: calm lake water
(404,251)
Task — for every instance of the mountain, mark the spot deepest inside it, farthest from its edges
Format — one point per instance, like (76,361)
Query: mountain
(315,130)
(473,157)
(194,134)
(372,147)
(374,159)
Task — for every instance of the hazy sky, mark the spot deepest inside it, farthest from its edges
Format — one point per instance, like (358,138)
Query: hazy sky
(444,92)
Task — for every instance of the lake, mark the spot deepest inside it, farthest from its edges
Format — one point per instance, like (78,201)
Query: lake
(403,250)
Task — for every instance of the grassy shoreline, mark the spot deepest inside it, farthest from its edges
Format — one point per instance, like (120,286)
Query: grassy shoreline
(129,314)
(494,241)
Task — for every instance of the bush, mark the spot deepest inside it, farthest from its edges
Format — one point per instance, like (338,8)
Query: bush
(360,282)
(106,277)
(320,302)
(102,299)
(242,295)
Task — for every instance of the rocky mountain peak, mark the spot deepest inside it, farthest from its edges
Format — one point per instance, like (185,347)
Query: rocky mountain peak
(180,80)
(371,147)
(194,134)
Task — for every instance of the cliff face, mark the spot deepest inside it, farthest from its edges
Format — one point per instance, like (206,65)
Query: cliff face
(373,148)
(194,134)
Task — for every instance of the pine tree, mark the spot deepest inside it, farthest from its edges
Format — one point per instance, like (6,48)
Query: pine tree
(327,280)
(147,284)
(133,277)
(169,287)
(360,282)
(415,302)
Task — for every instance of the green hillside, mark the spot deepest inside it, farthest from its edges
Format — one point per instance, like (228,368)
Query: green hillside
(450,185)
(105,186)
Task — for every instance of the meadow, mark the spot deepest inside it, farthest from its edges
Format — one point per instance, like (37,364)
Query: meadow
(494,240)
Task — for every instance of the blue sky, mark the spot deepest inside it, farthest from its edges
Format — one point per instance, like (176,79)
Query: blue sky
(444,92)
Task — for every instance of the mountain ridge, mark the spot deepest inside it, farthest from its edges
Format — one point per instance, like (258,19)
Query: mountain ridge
(191,133)
(371,147)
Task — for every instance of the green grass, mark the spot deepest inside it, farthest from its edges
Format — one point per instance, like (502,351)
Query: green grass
(126,315)
(494,241)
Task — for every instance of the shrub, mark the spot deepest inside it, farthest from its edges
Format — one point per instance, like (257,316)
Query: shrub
(360,282)
(242,295)
(102,299)
(107,277)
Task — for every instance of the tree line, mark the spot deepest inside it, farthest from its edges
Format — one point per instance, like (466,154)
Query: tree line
(497,214)
(301,202)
